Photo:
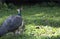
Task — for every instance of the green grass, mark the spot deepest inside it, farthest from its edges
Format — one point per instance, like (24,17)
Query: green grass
(46,18)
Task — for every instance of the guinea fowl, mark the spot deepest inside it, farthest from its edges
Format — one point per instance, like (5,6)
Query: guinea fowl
(11,24)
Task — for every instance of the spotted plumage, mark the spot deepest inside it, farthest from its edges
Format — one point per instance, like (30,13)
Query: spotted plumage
(11,24)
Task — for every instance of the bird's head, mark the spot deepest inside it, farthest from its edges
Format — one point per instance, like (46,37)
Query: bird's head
(19,11)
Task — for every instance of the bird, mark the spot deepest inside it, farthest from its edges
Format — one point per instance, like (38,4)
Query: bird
(11,24)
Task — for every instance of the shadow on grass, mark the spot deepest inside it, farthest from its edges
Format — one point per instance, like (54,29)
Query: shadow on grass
(44,22)
(25,36)
(42,16)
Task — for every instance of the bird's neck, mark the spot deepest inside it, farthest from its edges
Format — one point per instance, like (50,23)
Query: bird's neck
(19,13)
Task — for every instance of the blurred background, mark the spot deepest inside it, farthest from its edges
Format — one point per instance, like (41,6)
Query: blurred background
(42,18)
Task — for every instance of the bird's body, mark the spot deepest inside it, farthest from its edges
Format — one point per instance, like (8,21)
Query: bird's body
(11,24)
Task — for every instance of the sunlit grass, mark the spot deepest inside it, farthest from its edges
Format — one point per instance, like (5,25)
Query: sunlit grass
(46,18)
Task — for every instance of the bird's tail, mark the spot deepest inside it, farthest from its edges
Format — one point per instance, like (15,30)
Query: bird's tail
(3,31)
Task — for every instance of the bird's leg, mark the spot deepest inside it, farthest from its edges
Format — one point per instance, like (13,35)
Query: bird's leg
(20,30)
(16,32)
(13,33)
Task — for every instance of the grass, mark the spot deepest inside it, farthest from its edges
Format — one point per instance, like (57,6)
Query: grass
(46,18)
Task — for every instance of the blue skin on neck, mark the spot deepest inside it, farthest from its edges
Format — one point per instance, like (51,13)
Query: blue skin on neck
(19,13)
